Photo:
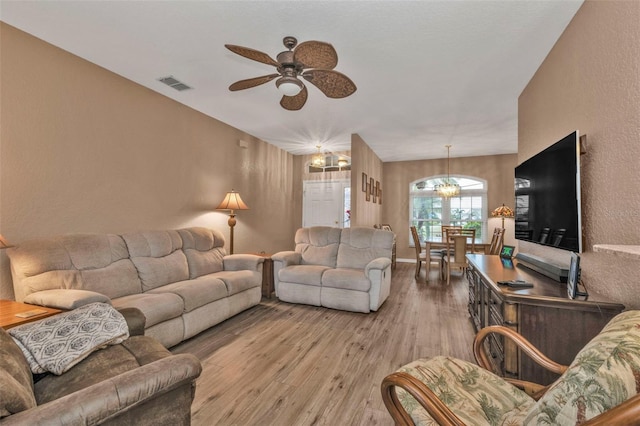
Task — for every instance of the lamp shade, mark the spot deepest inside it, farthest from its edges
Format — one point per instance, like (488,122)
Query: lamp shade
(232,201)
(503,211)
(4,243)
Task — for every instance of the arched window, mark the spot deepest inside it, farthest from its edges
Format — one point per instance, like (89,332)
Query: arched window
(428,211)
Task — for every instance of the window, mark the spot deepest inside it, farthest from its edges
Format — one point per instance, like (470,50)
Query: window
(428,211)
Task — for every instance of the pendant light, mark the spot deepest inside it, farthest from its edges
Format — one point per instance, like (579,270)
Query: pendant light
(447,189)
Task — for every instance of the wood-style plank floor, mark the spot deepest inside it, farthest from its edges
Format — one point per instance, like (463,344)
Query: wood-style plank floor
(283,364)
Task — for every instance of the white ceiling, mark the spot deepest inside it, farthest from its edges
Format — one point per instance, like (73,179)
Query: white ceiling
(429,73)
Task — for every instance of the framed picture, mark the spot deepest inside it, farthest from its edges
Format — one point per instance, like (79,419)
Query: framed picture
(374,197)
(372,185)
(365,181)
(380,196)
(368,194)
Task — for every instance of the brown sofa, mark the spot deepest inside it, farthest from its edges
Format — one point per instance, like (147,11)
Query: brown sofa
(136,382)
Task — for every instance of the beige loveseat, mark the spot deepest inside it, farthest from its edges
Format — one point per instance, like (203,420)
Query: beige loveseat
(347,269)
(134,382)
(181,280)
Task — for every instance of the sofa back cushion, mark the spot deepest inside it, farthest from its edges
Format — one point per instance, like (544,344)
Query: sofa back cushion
(605,373)
(359,246)
(157,257)
(98,263)
(16,392)
(204,249)
(318,245)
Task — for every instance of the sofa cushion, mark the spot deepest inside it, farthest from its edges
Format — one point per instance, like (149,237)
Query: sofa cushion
(359,246)
(16,392)
(348,279)
(197,292)
(156,307)
(98,263)
(318,245)
(604,374)
(204,249)
(57,343)
(303,274)
(100,366)
(239,281)
(475,395)
(157,257)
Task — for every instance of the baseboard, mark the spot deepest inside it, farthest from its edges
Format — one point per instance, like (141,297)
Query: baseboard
(543,266)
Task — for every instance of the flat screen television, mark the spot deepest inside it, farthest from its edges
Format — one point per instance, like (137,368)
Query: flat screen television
(547,189)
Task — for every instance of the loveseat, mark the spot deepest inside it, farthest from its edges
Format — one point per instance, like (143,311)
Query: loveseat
(346,269)
(181,280)
(136,382)
(600,387)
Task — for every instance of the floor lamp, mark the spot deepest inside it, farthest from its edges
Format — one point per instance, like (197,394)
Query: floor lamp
(502,212)
(232,201)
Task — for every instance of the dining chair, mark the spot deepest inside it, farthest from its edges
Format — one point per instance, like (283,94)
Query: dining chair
(455,255)
(429,256)
(420,256)
(445,228)
(497,240)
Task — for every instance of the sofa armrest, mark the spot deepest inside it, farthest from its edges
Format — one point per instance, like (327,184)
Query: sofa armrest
(66,299)
(135,319)
(287,258)
(109,398)
(242,262)
(380,263)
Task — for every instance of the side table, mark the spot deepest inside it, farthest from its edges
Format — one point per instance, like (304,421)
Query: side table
(267,275)
(14,313)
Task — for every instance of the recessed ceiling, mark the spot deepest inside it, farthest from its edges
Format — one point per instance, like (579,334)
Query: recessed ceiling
(429,73)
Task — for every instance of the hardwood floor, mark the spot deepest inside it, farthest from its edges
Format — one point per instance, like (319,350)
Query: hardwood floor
(283,364)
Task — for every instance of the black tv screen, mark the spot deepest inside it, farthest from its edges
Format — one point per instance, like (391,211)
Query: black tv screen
(547,188)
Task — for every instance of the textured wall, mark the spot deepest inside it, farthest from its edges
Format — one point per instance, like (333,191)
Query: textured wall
(497,170)
(85,150)
(590,81)
(363,159)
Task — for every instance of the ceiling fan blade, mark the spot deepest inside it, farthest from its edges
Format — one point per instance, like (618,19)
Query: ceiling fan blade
(252,54)
(294,103)
(316,54)
(332,83)
(252,82)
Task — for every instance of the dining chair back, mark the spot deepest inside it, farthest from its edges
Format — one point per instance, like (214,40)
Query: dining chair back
(497,240)
(420,257)
(455,256)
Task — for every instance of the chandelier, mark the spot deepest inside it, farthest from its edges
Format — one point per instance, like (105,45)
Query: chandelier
(318,159)
(447,189)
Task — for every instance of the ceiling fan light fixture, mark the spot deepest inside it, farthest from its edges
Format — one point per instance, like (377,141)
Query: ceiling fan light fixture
(289,86)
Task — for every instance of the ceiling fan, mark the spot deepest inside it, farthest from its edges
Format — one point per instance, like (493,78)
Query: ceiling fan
(312,60)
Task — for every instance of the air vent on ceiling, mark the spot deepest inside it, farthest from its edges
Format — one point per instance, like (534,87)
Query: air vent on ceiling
(176,84)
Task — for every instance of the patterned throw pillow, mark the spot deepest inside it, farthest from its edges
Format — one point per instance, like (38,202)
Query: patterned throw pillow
(57,343)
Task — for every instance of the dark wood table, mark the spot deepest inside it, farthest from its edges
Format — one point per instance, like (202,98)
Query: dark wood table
(543,314)
(268,287)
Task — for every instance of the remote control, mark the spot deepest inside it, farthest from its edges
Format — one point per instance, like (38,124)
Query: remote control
(516,283)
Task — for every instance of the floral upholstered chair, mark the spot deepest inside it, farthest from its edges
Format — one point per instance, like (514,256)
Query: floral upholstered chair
(600,387)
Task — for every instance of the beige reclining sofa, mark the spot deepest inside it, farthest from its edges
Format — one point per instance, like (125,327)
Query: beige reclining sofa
(347,269)
(181,280)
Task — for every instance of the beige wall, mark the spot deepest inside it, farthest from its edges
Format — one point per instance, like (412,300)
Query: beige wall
(590,81)
(85,150)
(364,160)
(497,170)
